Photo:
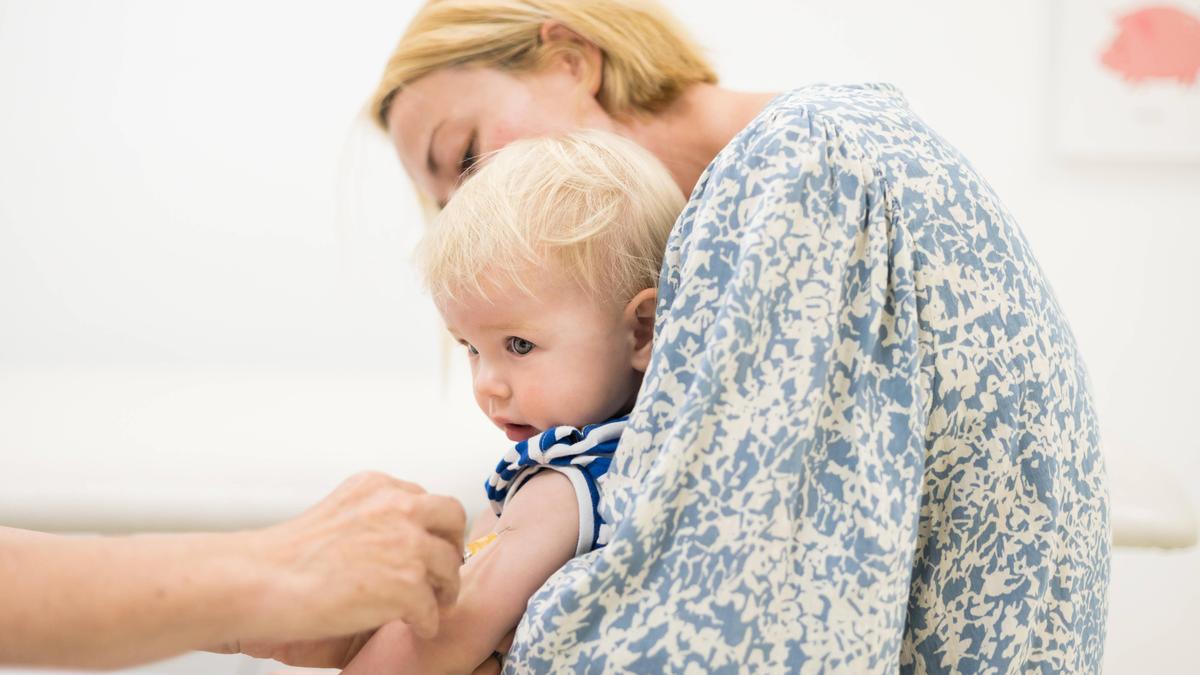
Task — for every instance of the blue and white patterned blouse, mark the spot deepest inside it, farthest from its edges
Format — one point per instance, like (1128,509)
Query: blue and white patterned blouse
(865,441)
(582,455)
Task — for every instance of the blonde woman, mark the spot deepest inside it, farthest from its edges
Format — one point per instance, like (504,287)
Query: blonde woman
(864,442)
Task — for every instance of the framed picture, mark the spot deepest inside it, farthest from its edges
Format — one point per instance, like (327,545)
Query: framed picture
(1126,78)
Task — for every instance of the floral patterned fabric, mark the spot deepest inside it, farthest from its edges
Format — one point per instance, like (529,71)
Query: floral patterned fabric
(865,441)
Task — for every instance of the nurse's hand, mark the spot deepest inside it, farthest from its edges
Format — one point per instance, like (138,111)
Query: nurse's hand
(375,550)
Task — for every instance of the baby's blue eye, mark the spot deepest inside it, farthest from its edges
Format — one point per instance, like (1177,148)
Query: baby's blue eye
(519,346)
(471,349)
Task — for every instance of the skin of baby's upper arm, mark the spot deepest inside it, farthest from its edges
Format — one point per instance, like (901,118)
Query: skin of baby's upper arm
(538,531)
(537,535)
(484,522)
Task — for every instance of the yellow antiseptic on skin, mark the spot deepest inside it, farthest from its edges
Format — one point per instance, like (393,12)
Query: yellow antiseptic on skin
(476,547)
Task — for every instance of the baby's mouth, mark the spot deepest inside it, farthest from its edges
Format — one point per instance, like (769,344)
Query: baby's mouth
(519,432)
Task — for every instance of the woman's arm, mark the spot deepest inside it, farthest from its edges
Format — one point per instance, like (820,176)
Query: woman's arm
(374,550)
(537,534)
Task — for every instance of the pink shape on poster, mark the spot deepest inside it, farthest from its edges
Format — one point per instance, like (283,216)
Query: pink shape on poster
(1155,43)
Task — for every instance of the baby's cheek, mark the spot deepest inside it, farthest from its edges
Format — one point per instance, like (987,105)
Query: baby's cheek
(558,400)
(537,397)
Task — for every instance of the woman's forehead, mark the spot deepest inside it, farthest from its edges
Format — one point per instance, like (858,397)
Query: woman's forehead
(412,115)
(438,101)
(411,123)
(448,88)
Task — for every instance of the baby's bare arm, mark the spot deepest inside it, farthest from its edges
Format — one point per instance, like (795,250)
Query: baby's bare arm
(484,523)
(538,531)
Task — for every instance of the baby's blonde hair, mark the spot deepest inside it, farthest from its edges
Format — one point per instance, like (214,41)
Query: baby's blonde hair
(591,206)
(648,58)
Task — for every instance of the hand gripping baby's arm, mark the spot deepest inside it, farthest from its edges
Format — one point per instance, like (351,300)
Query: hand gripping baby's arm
(536,535)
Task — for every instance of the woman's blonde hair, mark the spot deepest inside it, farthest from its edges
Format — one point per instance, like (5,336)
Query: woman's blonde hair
(648,58)
(591,206)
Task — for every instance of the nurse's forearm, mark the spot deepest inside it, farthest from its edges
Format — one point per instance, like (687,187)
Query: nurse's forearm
(115,601)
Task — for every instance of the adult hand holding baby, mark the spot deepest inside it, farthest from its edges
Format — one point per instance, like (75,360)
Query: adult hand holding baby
(375,550)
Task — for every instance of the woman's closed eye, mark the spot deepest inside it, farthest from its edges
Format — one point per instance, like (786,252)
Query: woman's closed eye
(519,346)
(469,158)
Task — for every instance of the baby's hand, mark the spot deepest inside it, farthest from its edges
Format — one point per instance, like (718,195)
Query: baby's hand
(495,663)
(392,647)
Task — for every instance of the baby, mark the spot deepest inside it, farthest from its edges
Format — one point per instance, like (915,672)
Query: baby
(544,267)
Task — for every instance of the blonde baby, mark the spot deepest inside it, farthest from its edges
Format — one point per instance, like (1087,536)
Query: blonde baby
(543,266)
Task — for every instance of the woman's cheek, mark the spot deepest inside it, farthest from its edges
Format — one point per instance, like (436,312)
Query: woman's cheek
(503,132)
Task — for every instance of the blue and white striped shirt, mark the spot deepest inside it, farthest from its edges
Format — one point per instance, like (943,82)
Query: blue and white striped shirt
(582,455)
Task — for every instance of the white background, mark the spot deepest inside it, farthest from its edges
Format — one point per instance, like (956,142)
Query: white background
(206,311)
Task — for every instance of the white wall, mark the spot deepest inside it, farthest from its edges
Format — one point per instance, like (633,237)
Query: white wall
(183,188)
(175,179)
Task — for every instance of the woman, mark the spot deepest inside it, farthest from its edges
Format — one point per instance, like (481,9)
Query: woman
(374,550)
(865,440)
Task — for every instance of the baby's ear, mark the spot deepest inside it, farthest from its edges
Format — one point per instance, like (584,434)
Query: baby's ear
(639,316)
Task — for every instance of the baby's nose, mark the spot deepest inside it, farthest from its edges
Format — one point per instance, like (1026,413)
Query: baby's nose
(490,384)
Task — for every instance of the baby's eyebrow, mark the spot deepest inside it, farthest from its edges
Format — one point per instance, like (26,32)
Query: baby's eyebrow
(507,327)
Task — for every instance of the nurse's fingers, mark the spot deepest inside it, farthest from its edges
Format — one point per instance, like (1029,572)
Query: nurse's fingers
(442,516)
(421,610)
(442,563)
